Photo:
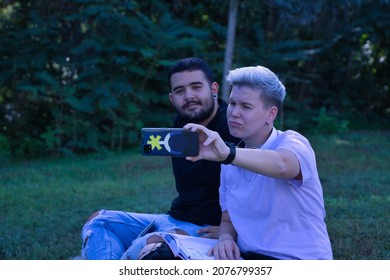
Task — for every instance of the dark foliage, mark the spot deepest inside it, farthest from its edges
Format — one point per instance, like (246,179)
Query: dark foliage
(82,75)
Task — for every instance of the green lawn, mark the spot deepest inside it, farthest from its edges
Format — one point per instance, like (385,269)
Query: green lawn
(43,203)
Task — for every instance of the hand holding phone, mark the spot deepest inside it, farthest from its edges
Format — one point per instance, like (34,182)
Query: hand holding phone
(176,142)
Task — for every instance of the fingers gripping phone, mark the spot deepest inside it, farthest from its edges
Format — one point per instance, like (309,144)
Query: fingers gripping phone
(176,142)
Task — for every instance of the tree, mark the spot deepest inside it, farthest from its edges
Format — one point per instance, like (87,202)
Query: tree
(87,72)
(233,7)
(85,75)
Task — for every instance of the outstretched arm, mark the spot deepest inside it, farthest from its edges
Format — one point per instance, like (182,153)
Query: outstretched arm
(280,163)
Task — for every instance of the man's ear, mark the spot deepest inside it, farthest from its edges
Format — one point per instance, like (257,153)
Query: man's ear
(214,88)
(170,97)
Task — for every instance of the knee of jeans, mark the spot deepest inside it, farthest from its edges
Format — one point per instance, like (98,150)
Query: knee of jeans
(93,219)
(84,247)
(136,246)
(87,228)
(154,238)
(94,214)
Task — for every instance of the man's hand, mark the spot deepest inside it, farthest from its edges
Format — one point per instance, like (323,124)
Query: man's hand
(209,232)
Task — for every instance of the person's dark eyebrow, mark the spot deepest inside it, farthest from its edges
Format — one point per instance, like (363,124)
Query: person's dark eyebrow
(191,84)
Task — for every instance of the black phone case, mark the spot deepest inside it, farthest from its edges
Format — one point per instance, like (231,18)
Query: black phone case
(175,142)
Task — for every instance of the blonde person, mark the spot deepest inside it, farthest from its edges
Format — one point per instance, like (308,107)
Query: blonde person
(270,194)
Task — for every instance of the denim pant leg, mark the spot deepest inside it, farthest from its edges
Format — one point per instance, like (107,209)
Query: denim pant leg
(164,223)
(110,233)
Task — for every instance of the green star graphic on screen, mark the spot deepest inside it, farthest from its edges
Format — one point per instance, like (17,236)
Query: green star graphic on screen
(169,142)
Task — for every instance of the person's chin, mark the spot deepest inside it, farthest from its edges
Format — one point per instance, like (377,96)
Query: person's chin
(235,131)
(191,113)
(193,118)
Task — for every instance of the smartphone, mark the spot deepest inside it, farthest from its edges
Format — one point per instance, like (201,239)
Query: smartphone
(175,142)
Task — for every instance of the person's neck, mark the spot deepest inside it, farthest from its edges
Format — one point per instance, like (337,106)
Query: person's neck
(256,143)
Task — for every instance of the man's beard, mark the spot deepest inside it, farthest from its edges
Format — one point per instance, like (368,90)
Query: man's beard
(199,116)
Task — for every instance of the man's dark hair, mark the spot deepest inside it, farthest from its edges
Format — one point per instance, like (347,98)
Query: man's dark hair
(191,64)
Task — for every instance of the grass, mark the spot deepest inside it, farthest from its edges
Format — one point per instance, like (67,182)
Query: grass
(354,171)
(44,203)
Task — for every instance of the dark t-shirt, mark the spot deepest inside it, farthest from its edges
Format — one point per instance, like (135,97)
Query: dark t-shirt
(197,183)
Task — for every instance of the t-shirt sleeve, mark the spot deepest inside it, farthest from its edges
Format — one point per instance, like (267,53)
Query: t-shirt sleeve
(301,148)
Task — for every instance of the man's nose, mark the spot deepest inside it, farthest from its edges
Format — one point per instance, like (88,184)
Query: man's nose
(189,94)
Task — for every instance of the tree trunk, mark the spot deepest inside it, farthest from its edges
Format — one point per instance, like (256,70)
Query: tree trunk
(233,6)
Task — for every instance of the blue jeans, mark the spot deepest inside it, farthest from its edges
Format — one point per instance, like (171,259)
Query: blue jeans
(108,235)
